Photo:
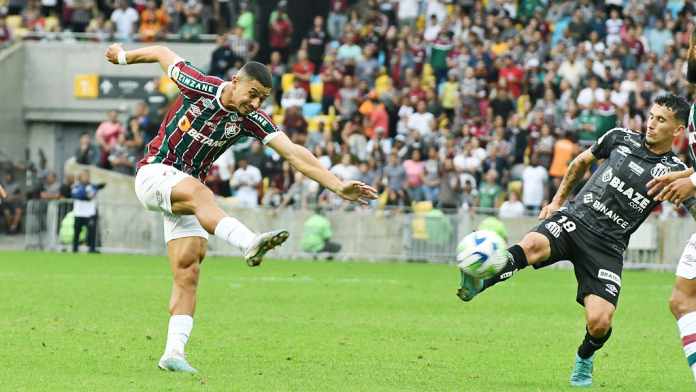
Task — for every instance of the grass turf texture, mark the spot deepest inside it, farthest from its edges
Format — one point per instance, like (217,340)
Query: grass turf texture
(98,322)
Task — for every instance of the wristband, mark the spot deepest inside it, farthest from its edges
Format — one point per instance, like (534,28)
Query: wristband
(122,57)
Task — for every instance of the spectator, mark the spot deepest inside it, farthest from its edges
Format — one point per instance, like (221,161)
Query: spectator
(12,206)
(119,159)
(512,207)
(246,21)
(280,33)
(192,30)
(422,121)
(316,41)
(241,46)
(489,192)
(223,58)
(50,189)
(303,69)
(246,180)
(534,181)
(66,186)
(5,32)
(415,173)
(346,170)
(124,18)
(107,136)
(85,211)
(317,233)
(153,22)
(87,153)
(448,193)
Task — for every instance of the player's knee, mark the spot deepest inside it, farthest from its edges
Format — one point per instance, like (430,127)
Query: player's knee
(188,277)
(536,247)
(680,305)
(598,323)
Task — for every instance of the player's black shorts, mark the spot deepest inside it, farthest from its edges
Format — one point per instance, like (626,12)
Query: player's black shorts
(598,263)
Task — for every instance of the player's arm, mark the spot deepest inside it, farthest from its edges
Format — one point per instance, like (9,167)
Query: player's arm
(115,54)
(691,59)
(576,171)
(304,161)
(2,192)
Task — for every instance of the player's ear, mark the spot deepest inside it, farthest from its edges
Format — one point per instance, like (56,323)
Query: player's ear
(679,130)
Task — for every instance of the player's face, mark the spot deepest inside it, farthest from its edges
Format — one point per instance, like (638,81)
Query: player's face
(662,126)
(248,95)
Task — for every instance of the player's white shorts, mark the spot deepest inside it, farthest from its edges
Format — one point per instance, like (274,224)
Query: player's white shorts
(687,262)
(153,186)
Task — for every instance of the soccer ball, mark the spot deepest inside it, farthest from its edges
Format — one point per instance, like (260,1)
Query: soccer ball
(481,254)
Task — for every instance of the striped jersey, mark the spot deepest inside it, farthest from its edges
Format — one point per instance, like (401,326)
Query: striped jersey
(198,129)
(691,134)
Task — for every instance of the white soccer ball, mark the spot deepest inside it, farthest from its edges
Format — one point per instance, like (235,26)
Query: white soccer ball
(481,254)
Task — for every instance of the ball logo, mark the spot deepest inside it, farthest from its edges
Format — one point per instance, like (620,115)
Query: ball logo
(232,129)
(607,175)
(659,170)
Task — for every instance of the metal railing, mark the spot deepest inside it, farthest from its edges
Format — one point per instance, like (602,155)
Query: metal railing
(365,234)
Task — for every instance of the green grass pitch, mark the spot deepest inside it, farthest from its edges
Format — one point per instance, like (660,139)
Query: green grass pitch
(98,323)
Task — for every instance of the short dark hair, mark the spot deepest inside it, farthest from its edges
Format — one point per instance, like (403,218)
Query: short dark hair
(677,104)
(259,72)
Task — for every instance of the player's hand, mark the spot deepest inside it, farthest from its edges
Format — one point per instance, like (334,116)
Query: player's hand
(357,191)
(677,191)
(549,210)
(658,184)
(2,193)
(112,53)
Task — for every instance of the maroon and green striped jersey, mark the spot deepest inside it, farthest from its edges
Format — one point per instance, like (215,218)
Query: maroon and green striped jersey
(691,134)
(198,129)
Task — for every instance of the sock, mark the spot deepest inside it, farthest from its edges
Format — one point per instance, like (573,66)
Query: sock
(591,344)
(180,326)
(517,260)
(687,331)
(234,232)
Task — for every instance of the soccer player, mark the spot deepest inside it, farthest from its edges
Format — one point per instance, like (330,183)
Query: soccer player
(592,230)
(677,187)
(208,117)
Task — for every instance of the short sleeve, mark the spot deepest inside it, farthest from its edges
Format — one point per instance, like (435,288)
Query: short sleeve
(260,126)
(191,82)
(602,148)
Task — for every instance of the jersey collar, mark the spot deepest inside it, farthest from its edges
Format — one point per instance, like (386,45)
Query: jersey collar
(218,94)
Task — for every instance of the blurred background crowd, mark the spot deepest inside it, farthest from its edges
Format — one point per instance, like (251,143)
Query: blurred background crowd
(460,104)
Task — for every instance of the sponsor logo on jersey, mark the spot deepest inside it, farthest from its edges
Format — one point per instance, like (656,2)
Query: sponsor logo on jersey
(184,124)
(611,289)
(195,110)
(660,170)
(232,129)
(256,116)
(588,198)
(636,199)
(606,211)
(203,139)
(207,103)
(628,139)
(610,276)
(193,83)
(636,168)
(623,150)
(553,228)
(175,73)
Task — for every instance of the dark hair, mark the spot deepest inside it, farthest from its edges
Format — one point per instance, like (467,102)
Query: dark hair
(677,104)
(259,72)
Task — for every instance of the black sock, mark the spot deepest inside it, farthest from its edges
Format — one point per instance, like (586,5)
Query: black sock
(517,260)
(591,344)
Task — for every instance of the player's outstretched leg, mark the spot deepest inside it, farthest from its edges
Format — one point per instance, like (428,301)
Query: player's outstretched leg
(190,196)
(599,313)
(185,256)
(533,248)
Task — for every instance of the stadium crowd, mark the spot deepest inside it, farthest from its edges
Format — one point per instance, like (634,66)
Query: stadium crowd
(474,105)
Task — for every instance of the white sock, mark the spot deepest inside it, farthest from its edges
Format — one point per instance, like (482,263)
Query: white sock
(180,326)
(234,232)
(687,331)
